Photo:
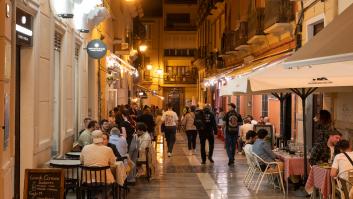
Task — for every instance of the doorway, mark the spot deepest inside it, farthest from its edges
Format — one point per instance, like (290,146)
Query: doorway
(175,98)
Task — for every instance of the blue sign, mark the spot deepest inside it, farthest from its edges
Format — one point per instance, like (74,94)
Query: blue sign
(96,49)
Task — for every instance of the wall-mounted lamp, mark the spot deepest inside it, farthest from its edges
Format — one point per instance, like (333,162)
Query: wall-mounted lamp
(159,71)
(149,67)
(143,47)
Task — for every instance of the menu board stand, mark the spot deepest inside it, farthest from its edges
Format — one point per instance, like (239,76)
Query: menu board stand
(44,183)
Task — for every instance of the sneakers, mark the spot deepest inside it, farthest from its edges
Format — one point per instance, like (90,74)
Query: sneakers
(203,162)
(231,162)
(169,154)
(211,160)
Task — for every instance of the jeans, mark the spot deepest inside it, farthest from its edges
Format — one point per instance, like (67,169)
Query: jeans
(240,144)
(204,135)
(231,140)
(191,134)
(170,132)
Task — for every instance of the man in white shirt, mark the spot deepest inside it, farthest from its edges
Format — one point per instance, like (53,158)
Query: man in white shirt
(170,119)
(343,161)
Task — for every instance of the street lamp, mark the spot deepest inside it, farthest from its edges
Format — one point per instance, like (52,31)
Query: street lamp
(142,47)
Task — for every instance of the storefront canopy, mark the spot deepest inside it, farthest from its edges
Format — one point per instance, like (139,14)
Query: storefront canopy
(239,84)
(333,77)
(333,44)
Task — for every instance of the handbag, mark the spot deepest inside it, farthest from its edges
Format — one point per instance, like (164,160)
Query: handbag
(163,127)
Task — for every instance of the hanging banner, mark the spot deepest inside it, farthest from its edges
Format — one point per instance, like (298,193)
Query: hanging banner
(96,49)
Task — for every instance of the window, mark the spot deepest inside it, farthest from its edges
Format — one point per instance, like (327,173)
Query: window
(264,105)
(176,18)
(56,102)
(148,31)
(318,27)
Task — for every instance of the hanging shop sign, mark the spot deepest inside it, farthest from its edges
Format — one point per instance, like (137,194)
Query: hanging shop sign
(24,28)
(96,49)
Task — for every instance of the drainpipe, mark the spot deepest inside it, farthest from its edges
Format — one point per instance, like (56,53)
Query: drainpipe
(15,81)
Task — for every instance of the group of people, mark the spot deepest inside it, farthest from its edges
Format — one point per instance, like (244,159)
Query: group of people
(206,123)
(125,134)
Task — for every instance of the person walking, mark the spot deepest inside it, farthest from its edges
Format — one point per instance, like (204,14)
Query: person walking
(232,122)
(210,128)
(170,119)
(190,128)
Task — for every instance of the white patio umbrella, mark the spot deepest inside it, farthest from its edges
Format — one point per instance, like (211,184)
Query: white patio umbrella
(303,81)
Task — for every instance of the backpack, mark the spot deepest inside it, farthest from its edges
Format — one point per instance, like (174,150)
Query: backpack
(199,120)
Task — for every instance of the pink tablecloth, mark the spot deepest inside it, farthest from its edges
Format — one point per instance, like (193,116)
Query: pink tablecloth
(293,165)
(319,178)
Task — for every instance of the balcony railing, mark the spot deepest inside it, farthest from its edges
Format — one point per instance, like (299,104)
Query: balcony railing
(180,1)
(278,11)
(180,52)
(202,52)
(256,22)
(180,75)
(234,40)
(180,27)
(228,41)
(139,30)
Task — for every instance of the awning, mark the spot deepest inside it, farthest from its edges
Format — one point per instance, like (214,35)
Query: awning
(333,44)
(333,77)
(239,84)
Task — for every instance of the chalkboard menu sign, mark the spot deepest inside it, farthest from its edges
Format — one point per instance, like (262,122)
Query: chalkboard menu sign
(44,184)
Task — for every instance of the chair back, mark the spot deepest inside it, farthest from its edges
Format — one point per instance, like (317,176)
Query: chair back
(257,160)
(70,171)
(248,158)
(345,182)
(94,175)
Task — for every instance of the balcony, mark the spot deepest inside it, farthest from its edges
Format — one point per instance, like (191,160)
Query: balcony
(139,30)
(228,42)
(180,1)
(241,43)
(256,25)
(201,52)
(233,41)
(278,16)
(180,27)
(180,75)
(179,52)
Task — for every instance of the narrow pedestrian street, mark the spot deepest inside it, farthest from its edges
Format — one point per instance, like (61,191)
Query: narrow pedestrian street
(183,176)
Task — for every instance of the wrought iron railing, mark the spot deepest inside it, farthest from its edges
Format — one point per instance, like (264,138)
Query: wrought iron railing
(255,21)
(278,11)
(180,75)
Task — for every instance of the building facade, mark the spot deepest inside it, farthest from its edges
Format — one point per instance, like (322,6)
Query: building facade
(49,84)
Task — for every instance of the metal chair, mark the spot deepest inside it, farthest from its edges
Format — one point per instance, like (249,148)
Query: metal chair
(268,171)
(252,170)
(345,183)
(147,163)
(93,180)
(71,177)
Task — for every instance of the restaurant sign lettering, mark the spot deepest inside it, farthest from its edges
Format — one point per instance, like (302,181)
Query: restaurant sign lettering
(44,184)
(96,49)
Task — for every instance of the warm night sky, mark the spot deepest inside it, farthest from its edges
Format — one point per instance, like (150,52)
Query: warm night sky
(152,8)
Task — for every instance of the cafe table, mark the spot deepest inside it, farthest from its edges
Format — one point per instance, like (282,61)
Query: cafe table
(320,178)
(293,165)
(64,162)
(73,154)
